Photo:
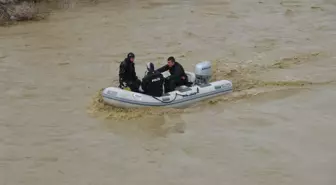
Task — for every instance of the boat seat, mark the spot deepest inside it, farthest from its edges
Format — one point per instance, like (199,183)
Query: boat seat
(191,78)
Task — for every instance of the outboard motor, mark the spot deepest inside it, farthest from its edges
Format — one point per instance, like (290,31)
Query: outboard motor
(203,73)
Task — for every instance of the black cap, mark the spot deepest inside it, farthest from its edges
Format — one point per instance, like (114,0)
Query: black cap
(130,55)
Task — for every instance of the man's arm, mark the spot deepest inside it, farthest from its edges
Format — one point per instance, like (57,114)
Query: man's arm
(163,69)
(134,76)
(122,71)
(177,73)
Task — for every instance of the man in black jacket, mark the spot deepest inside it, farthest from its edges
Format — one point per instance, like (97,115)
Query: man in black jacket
(177,75)
(152,83)
(127,75)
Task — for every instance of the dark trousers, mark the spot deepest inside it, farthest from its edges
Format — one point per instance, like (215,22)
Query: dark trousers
(134,85)
(171,84)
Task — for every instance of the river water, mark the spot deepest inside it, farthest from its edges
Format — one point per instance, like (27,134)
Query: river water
(278,127)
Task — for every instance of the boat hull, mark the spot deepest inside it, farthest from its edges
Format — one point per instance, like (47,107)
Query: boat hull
(180,98)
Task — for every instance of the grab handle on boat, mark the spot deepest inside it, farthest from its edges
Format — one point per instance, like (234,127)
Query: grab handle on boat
(166,101)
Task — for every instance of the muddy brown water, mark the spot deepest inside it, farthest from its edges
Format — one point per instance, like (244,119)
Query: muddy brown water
(277,128)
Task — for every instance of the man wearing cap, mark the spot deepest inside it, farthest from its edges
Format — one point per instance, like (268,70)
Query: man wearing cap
(152,83)
(127,74)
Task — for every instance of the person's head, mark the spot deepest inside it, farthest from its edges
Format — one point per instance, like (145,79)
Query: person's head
(171,61)
(131,56)
(150,67)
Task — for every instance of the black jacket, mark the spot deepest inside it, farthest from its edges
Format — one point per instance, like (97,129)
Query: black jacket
(152,84)
(176,72)
(127,71)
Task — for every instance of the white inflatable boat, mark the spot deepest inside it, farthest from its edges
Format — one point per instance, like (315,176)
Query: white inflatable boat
(182,97)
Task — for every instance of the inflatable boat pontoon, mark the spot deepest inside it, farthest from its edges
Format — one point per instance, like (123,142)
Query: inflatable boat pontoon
(200,89)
